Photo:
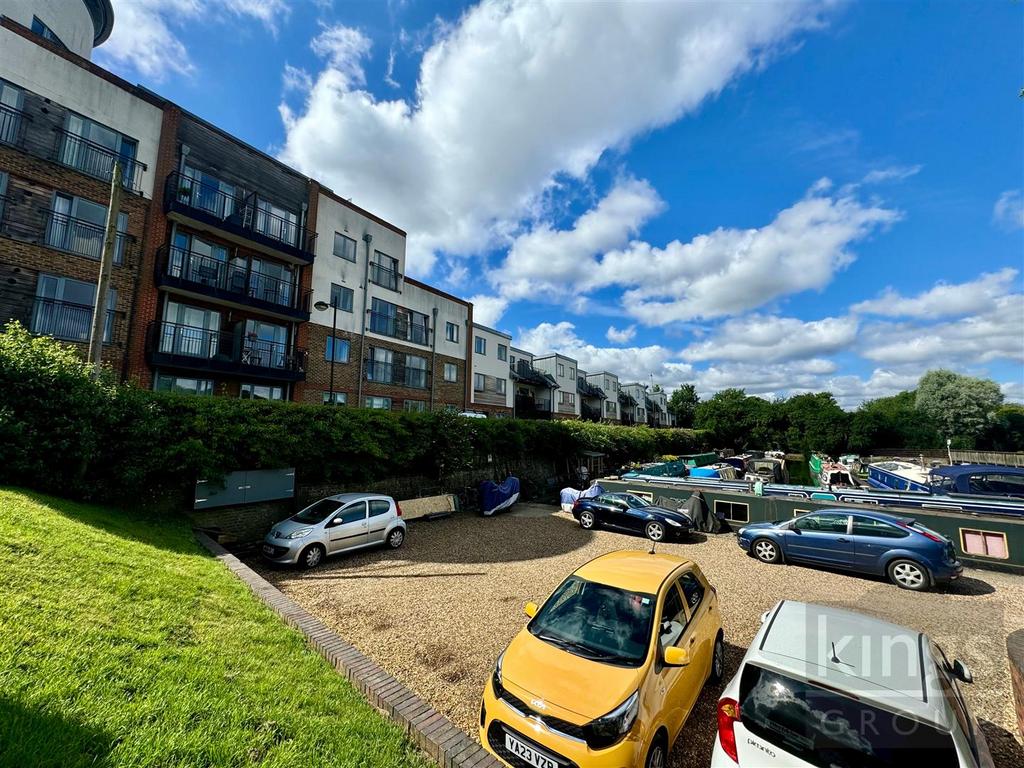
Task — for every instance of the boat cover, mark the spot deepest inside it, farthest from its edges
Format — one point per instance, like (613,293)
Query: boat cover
(494,497)
(703,519)
(704,472)
(569,495)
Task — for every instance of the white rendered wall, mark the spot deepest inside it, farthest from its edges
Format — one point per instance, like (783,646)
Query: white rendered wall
(489,365)
(566,382)
(69,20)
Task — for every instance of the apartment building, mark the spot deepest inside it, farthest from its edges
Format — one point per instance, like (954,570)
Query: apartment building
(493,391)
(566,403)
(591,397)
(658,415)
(634,404)
(63,124)
(535,390)
(609,385)
(396,343)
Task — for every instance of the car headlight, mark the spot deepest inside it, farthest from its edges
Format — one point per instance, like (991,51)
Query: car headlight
(496,680)
(741,531)
(609,729)
(676,523)
(300,533)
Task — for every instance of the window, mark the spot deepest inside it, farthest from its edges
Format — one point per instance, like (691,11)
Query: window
(92,149)
(502,352)
(339,398)
(79,226)
(566,398)
(197,261)
(379,507)
(824,523)
(451,332)
(381,403)
(609,407)
(416,371)
(996,484)
(10,113)
(984,543)
(866,526)
(183,385)
(572,373)
(352,513)
(480,345)
(693,590)
(732,510)
(561,371)
(379,365)
(478,382)
(344,247)
(272,282)
(673,618)
(45,32)
(338,348)
(415,406)
(265,345)
(64,307)
(261,392)
(206,192)
(189,330)
(277,223)
(384,271)
(341,297)
(3,177)
(500,385)
(451,372)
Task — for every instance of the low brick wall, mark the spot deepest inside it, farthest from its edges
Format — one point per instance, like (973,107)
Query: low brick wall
(244,524)
(1015,650)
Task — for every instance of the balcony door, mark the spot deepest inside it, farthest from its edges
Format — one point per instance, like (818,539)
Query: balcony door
(64,308)
(277,223)
(266,344)
(93,148)
(197,261)
(207,192)
(188,330)
(272,282)
(10,112)
(78,226)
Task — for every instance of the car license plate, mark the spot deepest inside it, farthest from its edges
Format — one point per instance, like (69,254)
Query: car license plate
(528,753)
(267,549)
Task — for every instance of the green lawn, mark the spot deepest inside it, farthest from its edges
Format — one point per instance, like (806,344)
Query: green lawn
(123,643)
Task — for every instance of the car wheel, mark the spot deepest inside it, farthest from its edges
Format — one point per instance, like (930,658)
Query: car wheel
(655,531)
(312,556)
(396,538)
(766,550)
(907,574)
(656,755)
(587,520)
(718,660)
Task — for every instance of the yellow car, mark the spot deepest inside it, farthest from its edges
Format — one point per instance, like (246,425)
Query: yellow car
(607,671)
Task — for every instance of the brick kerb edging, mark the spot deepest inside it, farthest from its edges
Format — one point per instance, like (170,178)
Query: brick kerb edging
(428,729)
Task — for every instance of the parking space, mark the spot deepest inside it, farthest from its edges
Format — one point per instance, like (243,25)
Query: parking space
(437,612)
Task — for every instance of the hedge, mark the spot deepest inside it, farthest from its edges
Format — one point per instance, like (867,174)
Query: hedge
(63,432)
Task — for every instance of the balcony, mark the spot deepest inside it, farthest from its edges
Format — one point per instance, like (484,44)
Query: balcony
(589,413)
(96,160)
(525,373)
(174,345)
(12,126)
(383,276)
(83,238)
(204,275)
(67,321)
(398,375)
(530,408)
(399,327)
(247,221)
(588,390)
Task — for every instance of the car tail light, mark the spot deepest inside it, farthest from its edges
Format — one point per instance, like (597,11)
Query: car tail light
(576,504)
(728,716)
(926,533)
(398,508)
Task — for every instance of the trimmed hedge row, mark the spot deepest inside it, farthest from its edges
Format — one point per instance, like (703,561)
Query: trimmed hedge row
(65,433)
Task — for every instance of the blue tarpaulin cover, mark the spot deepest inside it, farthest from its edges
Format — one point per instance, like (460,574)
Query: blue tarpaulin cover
(494,497)
(703,472)
(569,495)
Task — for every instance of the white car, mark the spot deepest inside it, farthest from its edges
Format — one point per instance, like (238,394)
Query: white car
(830,688)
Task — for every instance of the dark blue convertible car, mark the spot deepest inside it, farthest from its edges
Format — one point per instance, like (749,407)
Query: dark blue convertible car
(910,555)
(629,513)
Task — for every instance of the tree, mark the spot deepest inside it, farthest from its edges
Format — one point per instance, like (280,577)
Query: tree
(892,423)
(960,406)
(815,423)
(1006,429)
(723,416)
(683,404)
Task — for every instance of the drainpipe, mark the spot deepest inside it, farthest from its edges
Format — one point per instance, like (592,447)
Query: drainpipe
(433,357)
(368,239)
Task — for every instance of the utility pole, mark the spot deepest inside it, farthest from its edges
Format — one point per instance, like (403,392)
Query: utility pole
(99,316)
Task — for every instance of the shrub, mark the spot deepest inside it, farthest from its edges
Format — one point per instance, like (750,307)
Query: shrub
(63,432)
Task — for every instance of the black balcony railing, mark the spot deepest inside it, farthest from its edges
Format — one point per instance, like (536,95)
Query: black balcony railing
(12,125)
(67,321)
(83,238)
(96,160)
(248,216)
(399,327)
(589,413)
(186,346)
(384,276)
(524,372)
(233,282)
(529,408)
(400,375)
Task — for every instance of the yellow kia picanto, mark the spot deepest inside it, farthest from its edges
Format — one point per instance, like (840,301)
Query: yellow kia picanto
(607,671)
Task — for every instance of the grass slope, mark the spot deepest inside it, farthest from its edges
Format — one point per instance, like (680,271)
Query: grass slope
(122,643)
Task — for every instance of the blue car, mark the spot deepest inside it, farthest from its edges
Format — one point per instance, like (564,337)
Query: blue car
(910,555)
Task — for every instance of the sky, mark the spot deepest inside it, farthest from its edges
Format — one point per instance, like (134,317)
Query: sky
(782,197)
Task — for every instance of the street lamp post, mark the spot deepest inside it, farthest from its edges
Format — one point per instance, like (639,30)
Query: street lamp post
(323,306)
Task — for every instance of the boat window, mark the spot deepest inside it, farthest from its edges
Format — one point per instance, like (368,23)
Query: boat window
(997,484)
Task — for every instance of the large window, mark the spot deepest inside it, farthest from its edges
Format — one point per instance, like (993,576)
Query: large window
(389,319)
(344,247)
(265,344)
(451,332)
(261,392)
(272,282)
(188,330)
(416,371)
(384,271)
(205,191)
(480,345)
(79,226)
(183,385)
(337,348)
(277,223)
(451,372)
(11,102)
(64,309)
(198,261)
(341,297)
(732,511)
(93,149)
(45,32)
(566,398)
(379,365)
(380,403)
(339,398)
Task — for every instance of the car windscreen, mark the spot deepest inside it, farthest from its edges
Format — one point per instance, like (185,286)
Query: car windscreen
(634,502)
(597,622)
(317,513)
(830,730)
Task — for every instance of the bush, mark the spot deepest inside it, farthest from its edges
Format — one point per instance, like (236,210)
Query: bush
(65,433)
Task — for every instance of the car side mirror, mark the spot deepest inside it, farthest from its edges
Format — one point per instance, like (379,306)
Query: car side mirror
(961,672)
(530,609)
(334,522)
(676,657)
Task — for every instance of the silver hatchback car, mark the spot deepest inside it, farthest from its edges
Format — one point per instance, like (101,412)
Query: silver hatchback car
(339,523)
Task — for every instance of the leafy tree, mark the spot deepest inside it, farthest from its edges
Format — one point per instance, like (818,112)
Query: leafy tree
(815,423)
(1006,429)
(960,406)
(682,403)
(892,422)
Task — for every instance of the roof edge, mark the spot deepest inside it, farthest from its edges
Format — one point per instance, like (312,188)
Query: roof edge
(102,13)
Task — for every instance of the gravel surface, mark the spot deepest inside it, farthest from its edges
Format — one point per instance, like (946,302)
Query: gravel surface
(437,612)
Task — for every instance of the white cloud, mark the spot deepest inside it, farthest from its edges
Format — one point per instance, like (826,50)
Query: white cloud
(488,310)
(344,49)
(145,38)
(774,339)
(1008,211)
(620,335)
(1013,391)
(892,173)
(518,95)
(296,79)
(943,299)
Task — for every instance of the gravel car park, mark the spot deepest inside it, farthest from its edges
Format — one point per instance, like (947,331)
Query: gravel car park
(437,612)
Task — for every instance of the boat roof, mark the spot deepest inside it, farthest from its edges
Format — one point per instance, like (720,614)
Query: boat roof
(964,469)
(632,570)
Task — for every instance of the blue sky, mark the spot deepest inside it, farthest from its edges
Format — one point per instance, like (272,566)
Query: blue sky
(784,198)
